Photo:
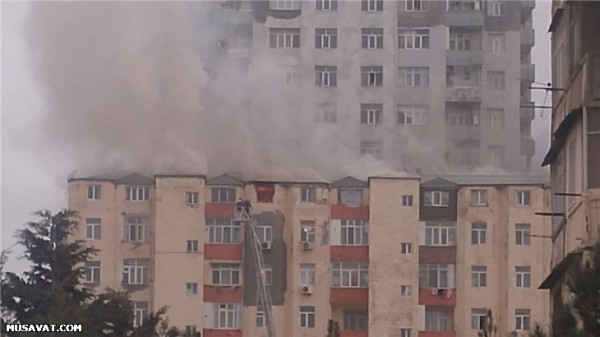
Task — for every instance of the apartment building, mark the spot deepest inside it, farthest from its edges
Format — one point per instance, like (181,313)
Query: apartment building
(572,157)
(421,84)
(390,256)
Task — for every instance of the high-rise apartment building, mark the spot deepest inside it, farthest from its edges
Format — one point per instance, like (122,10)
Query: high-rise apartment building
(423,85)
(573,155)
(390,256)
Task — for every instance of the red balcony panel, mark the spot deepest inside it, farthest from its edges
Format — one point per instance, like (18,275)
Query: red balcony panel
(350,296)
(438,298)
(351,333)
(218,210)
(349,253)
(223,294)
(349,213)
(221,333)
(442,255)
(437,333)
(226,252)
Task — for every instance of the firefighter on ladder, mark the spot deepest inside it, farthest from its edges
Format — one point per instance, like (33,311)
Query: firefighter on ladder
(243,207)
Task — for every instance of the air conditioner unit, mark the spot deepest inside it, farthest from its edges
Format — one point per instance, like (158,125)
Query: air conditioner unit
(265,245)
(307,289)
(306,245)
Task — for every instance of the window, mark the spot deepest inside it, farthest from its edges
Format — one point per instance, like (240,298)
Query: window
(326,5)
(413,77)
(356,320)
(137,193)
(405,332)
(496,80)
(523,198)
(136,228)
(497,43)
(227,315)
(370,113)
(496,156)
(326,113)
(191,287)
(94,192)
(326,76)
(265,192)
(496,117)
(192,198)
(92,272)
(523,234)
(350,274)
(433,276)
(460,41)
(372,38)
(406,291)
(437,320)
(350,196)
(558,67)
(523,274)
(307,274)
(406,248)
(192,245)
(522,319)
(372,5)
(478,276)
(371,76)
(260,319)
(190,330)
(478,233)
(325,38)
(478,319)
(495,8)
(308,194)
(413,114)
(437,198)
(413,38)
(440,233)
(291,75)
(140,312)
(413,5)
(135,271)
(93,229)
(222,230)
(223,194)
(225,274)
(307,231)
(284,38)
(374,149)
(264,233)
(478,198)
(463,76)
(267,273)
(284,5)
(461,117)
(355,232)
(407,200)
(307,317)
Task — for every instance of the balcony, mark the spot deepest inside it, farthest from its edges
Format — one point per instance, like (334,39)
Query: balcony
(437,297)
(527,111)
(354,333)
(528,72)
(464,19)
(437,333)
(464,57)
(463,94)
(527,147)
(350,296)
(463,132)
(527,38)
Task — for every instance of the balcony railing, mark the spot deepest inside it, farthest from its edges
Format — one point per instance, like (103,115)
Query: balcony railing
(463,94)
(464,57)
(464,19)
(437,297)
(463,132)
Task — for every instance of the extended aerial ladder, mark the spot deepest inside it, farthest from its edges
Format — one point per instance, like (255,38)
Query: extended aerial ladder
(264,296)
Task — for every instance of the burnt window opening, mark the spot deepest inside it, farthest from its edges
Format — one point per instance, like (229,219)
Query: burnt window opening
(350,196)
(265,193)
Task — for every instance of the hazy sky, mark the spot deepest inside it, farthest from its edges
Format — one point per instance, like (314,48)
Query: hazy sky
(35,179)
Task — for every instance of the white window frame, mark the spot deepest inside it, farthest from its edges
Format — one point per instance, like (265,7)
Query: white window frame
(522,319)
(496,80)
(284,38)
(478,318)
(192,246)
(307,274)
(478,232)
(222,231)
(267,273)
(227,315)
(497,43)
(140,312)
(326,76)
(442,234)
(325,38)
(413,77)
(437,320)
(406,290)
(407,200)
(523,276)
(93,228)
(413,114)
(264,233)
(226,274)
(224,195)
(495,8)
(406,248)
(434,276)
(413,39)
(523,234)
(523,198)
(92,271)
(350,274)
(479,276)
(191,288)
(355,320)
(307,317)
(137,193)
(136,228)
(496,118)
(496,156)
(372,38)
(414,5)
(308,231)
(437,198)
(371,76)
(371,114)
(405,332)
(354,232)
(94,192)
(326,5)
(135,271)
(374,149)
(479,198)
(284,5)
(460,41)
(192,198)
(373,5)
(308,194)
(326,113)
